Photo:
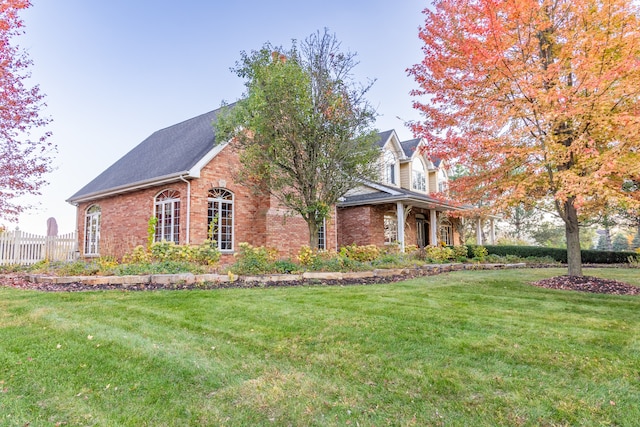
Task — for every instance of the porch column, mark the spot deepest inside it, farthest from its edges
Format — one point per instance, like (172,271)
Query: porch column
(400,215)
(433,227)
(479,232)
(492,233)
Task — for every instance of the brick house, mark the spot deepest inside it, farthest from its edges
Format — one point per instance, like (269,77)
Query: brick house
(181,176)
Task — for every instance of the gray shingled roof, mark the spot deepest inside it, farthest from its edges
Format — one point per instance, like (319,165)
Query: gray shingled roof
(409,147)
(388,194)
(383,137)
(169,152)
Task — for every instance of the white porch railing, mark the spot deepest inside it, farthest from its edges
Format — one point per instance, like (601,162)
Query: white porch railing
(20,248)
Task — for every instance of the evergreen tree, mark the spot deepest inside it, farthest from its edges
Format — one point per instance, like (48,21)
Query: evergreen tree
(620,242)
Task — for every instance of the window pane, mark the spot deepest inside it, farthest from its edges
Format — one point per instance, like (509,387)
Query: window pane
(322,236)
(390,229)
(168,216)
(220,218)
(92,231)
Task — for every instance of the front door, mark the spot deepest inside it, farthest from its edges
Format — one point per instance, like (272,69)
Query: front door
(422,232)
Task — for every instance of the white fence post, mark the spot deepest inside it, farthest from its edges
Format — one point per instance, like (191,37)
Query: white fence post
(20,248)
(17,242)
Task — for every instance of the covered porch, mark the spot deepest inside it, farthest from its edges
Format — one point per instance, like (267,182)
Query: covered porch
(393,216)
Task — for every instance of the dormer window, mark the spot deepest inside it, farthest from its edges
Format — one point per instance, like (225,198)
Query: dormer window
(418,175)
(389,167)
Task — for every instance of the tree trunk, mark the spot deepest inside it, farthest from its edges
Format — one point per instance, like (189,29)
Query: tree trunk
(607,239)
(572,230)
(313,234)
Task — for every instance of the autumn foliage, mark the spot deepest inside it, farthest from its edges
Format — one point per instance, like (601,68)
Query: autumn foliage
(25,154)
(537,100)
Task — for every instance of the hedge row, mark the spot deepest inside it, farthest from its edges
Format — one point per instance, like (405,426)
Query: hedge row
(558,254)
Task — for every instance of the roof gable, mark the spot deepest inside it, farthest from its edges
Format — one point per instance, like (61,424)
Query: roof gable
(175,151)
(389,140)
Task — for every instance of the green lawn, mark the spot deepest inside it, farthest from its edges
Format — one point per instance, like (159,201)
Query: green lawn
(475,348)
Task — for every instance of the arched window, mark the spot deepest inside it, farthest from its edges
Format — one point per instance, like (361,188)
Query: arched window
(92,231)
(220,218)
(418,175)
(389,167)
(167,207)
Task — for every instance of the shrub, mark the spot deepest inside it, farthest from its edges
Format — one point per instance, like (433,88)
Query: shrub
(253,260)
(366,253)
(169,251)
(158,252)
(206,253)
(106,265)
(164,267)
(11,268)
(78,268)
(306,256)
(439,253)
(139,255)
(559,254)
(479,252)
(605,257)
(460,253)
(285,266)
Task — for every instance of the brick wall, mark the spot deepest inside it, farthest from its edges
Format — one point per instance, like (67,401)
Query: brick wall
(353,225)
(258,219)
(124,219)
(362,225)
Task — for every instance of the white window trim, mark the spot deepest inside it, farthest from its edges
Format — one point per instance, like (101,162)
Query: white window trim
(388,166)
(89,219)
(322,233)
(446,232)
(442,181)
(423,173)
(393,219)
(233,218)
(175,229)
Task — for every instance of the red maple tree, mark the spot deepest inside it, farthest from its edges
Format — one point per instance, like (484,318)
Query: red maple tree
(24,157)
(538,101)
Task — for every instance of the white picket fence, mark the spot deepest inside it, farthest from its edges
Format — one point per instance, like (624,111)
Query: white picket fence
(20,248)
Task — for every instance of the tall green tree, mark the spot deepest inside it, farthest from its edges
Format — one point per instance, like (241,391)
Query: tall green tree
(620,242)
(25,153)
(522,220)
(304,129)
(538,98)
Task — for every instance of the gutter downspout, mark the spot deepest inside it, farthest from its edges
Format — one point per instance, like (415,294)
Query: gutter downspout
(188,207)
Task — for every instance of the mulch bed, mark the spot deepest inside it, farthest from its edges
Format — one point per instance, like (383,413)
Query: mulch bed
(588,284)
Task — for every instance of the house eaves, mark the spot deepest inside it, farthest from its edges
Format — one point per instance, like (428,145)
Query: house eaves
(192,173)
(388,194)
(177,152)
(428,203)
(130,187)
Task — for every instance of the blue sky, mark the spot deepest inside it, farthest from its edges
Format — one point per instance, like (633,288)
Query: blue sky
(115,71)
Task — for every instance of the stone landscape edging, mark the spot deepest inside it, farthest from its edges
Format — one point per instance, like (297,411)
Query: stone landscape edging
(309,276)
